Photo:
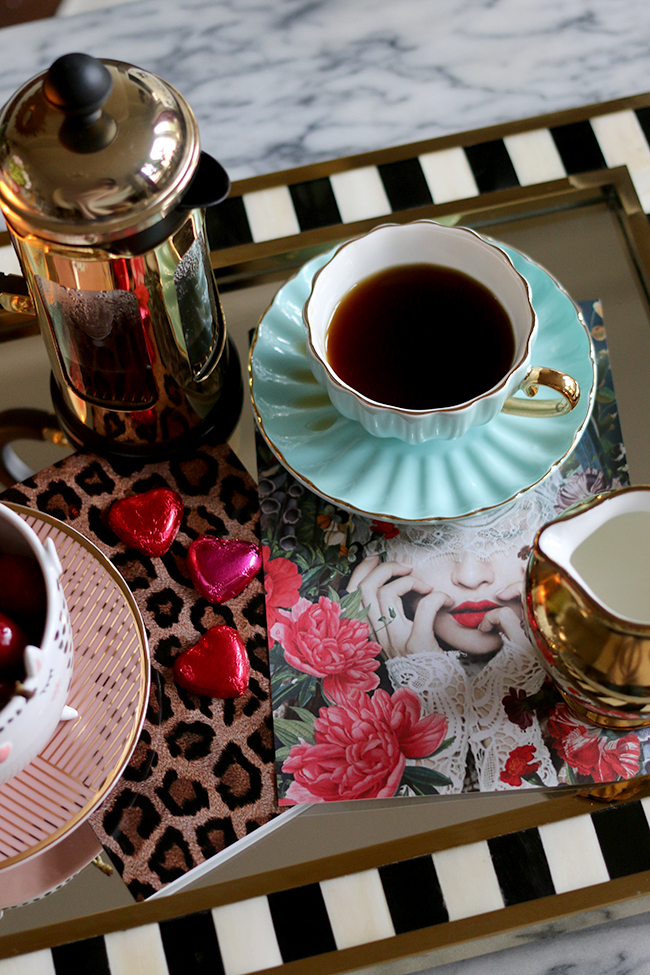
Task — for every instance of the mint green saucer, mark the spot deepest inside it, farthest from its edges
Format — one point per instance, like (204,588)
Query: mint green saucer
(394,481)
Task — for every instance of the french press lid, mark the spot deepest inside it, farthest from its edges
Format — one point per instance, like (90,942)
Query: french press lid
(94,151)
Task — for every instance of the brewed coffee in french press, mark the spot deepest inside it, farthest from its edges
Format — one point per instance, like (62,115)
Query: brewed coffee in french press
(103,187)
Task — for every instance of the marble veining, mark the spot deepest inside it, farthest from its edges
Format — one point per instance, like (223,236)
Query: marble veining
(276,86)
(615,948)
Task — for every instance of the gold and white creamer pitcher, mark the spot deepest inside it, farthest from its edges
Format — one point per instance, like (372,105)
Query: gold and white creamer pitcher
(588,606)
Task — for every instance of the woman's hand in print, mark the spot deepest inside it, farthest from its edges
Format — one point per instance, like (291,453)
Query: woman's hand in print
(504,620)
(383,586)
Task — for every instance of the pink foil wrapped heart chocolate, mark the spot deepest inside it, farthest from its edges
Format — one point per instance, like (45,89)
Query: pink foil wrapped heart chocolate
(148,522)
(216,666)
(221,568)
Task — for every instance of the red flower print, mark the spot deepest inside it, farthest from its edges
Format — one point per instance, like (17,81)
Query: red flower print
(384,528)
(317,640)
(516,707)
(360,751)
(282,583)
(589,751)
(519,764)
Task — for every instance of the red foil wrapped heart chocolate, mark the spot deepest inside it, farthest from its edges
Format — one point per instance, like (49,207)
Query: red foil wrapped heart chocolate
(221,568)
(216,666)
(148,522)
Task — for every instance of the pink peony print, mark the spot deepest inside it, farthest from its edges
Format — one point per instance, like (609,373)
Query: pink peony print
(317,640)
(589,750)
(360,751)
(282,583)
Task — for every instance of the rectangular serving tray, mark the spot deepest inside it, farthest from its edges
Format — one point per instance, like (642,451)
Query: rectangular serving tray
(332,889)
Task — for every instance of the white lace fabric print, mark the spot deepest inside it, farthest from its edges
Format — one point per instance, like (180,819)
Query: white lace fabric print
(475,712)
(493,736)
(439,680)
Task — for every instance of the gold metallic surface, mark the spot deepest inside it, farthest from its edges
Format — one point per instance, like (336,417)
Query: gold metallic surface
(619,791)
(67,196)
(184,357)
(567,387)
(599,661)
(102,866)
(20,304)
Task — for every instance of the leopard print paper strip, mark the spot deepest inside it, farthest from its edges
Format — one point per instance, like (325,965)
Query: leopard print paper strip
(202,774)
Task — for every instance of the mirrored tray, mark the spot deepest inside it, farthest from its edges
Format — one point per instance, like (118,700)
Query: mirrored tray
(348,867)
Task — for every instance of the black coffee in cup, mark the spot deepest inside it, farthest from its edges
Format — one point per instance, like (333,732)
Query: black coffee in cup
(420,337)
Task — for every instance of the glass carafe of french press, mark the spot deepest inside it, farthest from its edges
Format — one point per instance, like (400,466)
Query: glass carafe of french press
(103,187)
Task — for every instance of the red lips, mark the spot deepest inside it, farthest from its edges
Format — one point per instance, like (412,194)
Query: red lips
(471,614)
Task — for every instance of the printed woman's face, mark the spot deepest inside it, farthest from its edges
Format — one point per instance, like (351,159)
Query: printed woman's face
(476,588)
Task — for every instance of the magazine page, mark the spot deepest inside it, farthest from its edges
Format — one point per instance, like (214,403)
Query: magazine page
(399,661)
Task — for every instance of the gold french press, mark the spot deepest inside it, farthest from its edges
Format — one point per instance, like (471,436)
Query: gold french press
(103,187)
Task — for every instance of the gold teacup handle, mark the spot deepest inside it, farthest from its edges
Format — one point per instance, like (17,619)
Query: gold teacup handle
(541,376)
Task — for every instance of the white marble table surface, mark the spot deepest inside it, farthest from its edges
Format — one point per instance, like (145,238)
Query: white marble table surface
(281,83)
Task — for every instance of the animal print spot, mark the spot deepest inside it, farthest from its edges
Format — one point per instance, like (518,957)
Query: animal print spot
(254,611)
(251,706)
(143,760)
(171,858)
(216,524)
(98,524)
(257,690)
(237,500)
(203,615)
(94,480)
(239,781)
(114,426)
(60,501)
(258,652)
(160,707)
(150,482)
(137,569)
(190,740)
(15,496)
(182,796)
(215,835)
(195,475)
(238,708)
(131,821)
(166,650)
(175,561)
(165,607)
(195,702)
(126,466)
(261,741)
